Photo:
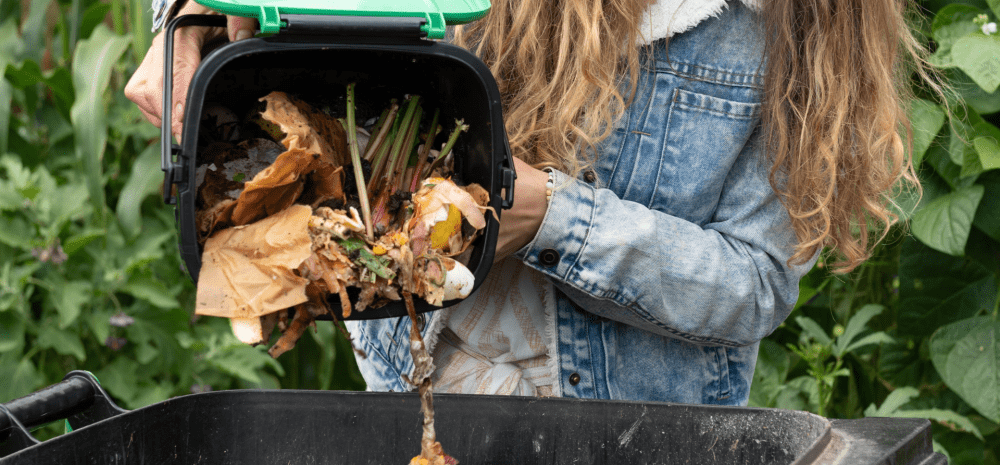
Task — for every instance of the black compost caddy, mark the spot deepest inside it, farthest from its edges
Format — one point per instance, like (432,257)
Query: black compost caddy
(385,50)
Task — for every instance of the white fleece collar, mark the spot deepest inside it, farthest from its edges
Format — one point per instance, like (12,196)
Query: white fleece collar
(668,17)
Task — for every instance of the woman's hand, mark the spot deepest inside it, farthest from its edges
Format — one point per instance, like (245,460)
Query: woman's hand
(145,88)
(520,224)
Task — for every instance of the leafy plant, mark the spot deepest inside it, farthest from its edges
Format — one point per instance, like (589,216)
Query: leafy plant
(90,277)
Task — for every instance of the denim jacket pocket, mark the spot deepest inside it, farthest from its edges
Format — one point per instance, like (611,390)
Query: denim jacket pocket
(704,136)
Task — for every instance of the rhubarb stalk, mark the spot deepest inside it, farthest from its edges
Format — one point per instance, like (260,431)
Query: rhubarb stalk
(359,175)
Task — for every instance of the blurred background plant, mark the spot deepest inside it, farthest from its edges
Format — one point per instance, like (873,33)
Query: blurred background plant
(914,332)
(90,277)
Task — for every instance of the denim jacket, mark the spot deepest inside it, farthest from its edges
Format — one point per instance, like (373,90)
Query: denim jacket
(669,259)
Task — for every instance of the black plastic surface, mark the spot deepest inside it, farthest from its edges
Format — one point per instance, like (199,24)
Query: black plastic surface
(315,427)
(445,76)
(78,398)
(354,26)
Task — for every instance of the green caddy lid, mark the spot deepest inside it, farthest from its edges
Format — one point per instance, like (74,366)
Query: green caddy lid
(437,13)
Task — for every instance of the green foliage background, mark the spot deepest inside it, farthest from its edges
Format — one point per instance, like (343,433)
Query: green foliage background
(90,277)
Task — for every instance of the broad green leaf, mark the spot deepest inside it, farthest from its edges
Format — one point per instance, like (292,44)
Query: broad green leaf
(6,94)
(936,289)
(871,339)
(145,180)
(20,376)
(944,224)
(988,213)
(967,355)
(119,379)
(926,118)
(995,6)
(978,56)
(938,156)
(948,417)
(151,291)
(92,64)
(855,326)
(94,15)
(11,332)
(97,321)
(960,137)
(152,394)
(16,232)
(325,338)
(982,153)
(894,401)
(950,24)
(987,144)
(32,44)
(62,341)
(773,364)
(242,361)
(983,102)
(813,329)
(989,152)
(69,298)
(80,240)
(900,364)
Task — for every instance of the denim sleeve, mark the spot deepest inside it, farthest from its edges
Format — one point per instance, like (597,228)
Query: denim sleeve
(723,282)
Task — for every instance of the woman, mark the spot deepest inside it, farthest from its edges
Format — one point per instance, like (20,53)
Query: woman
(699,154)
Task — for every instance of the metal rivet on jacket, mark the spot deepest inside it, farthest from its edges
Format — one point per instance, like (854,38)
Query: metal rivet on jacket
(548,257)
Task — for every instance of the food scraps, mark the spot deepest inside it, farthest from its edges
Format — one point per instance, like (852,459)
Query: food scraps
(298,217)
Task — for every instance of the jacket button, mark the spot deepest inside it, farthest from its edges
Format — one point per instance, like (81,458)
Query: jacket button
(574,379)
(548,257)
(590,176)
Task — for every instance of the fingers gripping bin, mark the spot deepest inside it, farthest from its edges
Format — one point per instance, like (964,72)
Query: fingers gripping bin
(317,53)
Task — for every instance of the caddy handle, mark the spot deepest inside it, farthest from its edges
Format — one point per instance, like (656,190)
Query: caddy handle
(167,148)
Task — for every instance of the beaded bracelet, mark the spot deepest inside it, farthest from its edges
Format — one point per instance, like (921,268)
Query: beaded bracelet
(550,184)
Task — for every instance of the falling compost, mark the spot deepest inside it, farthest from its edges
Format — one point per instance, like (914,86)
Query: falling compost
(300,213)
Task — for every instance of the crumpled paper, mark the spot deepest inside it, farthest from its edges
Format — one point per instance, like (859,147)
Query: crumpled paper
(248,271)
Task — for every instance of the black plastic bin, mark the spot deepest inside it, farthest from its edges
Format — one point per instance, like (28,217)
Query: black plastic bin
(301,61)
(329,427)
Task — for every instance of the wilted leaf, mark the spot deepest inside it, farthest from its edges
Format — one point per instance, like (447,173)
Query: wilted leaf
(936,289)
(944,224)
(967,355)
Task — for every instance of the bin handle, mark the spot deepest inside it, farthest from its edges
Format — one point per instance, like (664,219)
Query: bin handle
(78,397)
(167,148)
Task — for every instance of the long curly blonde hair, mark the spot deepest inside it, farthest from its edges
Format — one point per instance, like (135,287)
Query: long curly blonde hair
(834,113)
